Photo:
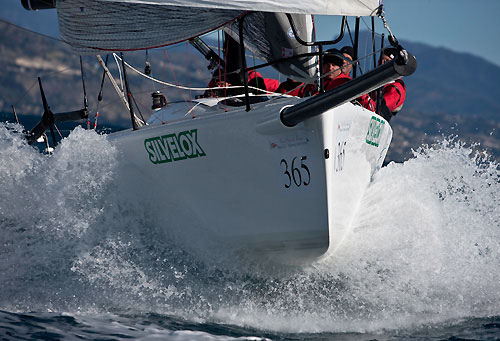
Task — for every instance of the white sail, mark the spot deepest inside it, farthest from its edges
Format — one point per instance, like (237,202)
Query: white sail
(327,7)
(94,26)
(91,27)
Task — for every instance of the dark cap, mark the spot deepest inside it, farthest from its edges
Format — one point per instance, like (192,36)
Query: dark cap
(334,56)
(391,52)
(348,50)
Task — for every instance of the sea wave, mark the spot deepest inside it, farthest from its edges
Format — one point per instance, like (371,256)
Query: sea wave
(424,248)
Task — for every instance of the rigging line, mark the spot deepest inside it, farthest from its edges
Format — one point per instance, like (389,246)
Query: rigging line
(36,81)
(119,71)
(97,50)
(140,112)
(218,54)
(189,70)
(57,129)
(225,50)
(27,91)
(164,69)
(369,28)
(188,88)
(249,55)
(43,35)
(31,31)
(99,96)
(173,74)
(349,31)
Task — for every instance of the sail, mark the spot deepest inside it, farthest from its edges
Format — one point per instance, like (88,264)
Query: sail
(91,27)
(270,37)
(326,7)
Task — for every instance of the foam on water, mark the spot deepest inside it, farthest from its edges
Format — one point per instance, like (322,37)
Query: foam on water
(425,248)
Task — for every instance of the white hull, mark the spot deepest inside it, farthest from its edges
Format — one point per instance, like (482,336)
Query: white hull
(252,184)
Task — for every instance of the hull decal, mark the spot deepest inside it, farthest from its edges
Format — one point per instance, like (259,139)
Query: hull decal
(375,130)
(174,147)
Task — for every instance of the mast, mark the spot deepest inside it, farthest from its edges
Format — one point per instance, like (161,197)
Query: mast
(244,75)
(356,44)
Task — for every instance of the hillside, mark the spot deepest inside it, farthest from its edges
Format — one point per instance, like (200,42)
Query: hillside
(450,93)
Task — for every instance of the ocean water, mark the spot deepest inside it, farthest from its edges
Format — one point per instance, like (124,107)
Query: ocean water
(79,259)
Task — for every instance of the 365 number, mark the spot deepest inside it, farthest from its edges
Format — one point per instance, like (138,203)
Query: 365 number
(298,172)
(340,156)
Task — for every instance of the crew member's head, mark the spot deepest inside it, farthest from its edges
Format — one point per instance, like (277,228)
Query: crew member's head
(333,61)
(388,54)
(348,53)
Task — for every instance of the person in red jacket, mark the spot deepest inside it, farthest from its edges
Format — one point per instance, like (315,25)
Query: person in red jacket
(333,61)
(290,87)
(256,80)
(393,94)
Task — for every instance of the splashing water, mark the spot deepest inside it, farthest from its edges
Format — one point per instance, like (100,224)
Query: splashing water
(425,247)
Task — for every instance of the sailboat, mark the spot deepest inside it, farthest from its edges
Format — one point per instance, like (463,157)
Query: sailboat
(263,174)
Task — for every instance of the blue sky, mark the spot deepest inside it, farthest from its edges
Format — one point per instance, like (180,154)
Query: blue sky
(462,26)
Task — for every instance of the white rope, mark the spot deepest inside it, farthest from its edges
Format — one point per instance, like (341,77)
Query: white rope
(186,87)
(119,70)
(191,110)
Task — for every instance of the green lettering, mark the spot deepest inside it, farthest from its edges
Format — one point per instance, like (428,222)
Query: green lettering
(186,145)
(179,149)
(174,147)
(161,156)
(164,149)
(197,150)
(150,150)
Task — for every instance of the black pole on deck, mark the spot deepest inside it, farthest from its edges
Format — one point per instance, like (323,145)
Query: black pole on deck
(356,44)
(373,43)
(378,103)
(243,70)
(85,101)
(99,97)
(129,95)
(15,114)
(47,117)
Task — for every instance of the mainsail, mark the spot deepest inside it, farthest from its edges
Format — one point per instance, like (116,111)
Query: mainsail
(91,26)
(96,26)
(327,7)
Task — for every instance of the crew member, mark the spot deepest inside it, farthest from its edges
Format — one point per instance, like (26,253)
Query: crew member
(393,94)
(348,53)
(256,80)
(333,66)
(333,62)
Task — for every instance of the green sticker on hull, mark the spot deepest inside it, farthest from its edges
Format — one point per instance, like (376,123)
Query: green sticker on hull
(375,130)
(174,147)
